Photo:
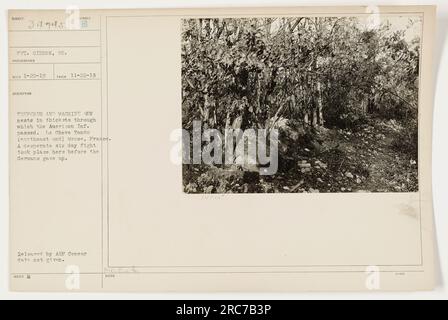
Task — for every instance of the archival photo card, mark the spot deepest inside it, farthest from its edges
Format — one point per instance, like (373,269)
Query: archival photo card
(274,149)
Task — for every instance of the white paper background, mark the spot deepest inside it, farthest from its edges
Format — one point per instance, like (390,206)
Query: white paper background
(440,157)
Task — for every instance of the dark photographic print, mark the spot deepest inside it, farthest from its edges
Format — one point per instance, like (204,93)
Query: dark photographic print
(300,104)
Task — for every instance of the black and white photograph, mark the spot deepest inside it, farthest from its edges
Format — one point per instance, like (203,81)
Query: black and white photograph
(306,104)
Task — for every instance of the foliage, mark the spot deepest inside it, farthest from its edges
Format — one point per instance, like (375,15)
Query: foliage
(318,70)
(303,76)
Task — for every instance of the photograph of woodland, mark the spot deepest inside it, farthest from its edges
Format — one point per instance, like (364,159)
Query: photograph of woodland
(342,92)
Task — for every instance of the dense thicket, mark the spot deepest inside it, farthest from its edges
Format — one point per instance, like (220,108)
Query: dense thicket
(319,70)
(301,73)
